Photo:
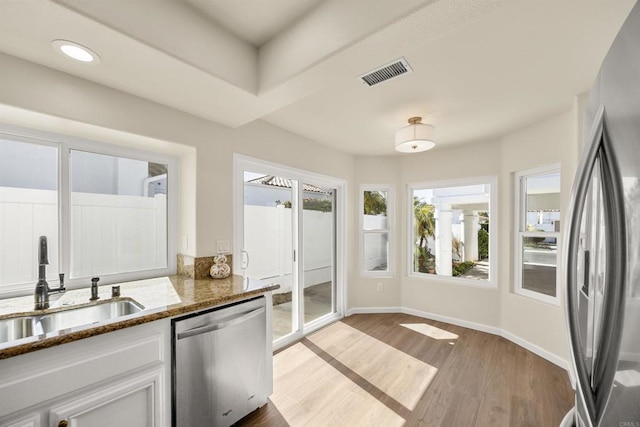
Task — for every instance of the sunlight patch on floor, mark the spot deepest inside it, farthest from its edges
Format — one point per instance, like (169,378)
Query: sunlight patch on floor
(393,372)
(628,378)
(431,331)
(310,392)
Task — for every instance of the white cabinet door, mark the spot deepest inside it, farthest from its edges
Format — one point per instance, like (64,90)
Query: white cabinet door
(134,402)
(31,421)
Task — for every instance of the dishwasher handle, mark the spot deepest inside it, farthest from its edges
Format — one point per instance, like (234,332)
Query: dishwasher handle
(217,326)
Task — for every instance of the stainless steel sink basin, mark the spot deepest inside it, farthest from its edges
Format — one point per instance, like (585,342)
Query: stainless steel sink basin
(17,328)
(88,315)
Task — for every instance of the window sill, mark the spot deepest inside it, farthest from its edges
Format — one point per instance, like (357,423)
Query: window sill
(484,284)
(538,297)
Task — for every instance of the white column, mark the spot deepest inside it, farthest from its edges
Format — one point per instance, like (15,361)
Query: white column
(443,217)
(470,236)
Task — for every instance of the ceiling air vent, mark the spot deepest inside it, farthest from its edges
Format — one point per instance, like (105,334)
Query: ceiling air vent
(386,72)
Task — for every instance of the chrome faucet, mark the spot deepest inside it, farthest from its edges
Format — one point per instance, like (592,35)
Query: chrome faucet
(42,291)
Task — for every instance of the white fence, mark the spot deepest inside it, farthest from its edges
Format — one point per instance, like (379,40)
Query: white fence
(268,240)
(112,234)
(25,215)
(375,245)
(109,234)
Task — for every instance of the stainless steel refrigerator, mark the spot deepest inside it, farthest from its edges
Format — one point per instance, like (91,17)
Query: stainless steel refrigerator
(602,244)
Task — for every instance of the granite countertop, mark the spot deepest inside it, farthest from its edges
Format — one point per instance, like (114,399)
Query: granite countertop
(161,297)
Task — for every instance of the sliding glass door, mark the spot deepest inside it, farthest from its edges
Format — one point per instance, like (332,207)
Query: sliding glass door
(287,234)
(268,250)
(318,243)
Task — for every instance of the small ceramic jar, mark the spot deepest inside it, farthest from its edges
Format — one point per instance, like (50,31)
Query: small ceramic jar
(220,269)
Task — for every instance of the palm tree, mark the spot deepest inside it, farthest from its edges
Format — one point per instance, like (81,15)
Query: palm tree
(425,227)
(375,203)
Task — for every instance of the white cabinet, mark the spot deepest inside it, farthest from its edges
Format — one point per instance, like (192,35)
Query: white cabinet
(132,402)
(30,421)
(121,378)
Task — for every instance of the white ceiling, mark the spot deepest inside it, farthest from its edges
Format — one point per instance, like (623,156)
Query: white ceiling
(482,68)
(255,21)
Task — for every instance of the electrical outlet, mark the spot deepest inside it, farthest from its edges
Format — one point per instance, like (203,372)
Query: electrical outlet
(223,246)
(380,287)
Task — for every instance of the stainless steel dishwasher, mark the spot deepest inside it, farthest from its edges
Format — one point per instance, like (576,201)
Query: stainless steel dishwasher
(221,371)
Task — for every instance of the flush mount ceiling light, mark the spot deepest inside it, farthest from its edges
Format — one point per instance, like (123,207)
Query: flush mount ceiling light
(416,137)
(76,51)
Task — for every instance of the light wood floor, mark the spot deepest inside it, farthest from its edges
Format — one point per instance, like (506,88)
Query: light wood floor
(396,369)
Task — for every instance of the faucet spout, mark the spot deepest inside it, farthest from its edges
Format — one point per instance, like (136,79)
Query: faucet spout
(43,253)
(42,291)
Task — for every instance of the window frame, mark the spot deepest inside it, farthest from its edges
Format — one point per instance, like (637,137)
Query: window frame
(242,163)
(64,144)
(390,271)
(492,181)
(15,289)
(520,233)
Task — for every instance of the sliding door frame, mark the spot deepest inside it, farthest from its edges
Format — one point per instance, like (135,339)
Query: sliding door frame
(242,163)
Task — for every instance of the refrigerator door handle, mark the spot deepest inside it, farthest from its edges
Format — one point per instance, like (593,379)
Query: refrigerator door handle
(572,237)
(585,280)
(608,347)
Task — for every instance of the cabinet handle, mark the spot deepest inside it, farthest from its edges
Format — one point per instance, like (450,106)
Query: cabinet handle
(63,423)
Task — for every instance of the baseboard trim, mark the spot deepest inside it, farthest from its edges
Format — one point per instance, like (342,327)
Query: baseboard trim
(452,320)
(373,310)
(558,361)
(537,350)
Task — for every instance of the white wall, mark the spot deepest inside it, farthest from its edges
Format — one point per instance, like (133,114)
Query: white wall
(102,174)
(435,295)
(555,141)
(363,290)
(540,325)
(69,104)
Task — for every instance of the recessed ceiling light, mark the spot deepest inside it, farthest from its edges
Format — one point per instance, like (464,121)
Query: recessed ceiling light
(76,51)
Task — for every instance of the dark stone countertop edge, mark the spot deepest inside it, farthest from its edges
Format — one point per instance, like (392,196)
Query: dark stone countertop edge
(42,342)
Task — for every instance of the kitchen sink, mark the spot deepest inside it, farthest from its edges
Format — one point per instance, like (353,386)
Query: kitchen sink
(16,328)
(88,315)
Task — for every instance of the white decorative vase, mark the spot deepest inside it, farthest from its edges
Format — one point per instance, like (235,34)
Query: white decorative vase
(220,269)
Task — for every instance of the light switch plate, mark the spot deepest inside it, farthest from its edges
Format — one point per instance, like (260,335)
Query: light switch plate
(223,246)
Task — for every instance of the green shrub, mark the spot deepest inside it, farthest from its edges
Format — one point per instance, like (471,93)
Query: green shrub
(483,244)
(459,268)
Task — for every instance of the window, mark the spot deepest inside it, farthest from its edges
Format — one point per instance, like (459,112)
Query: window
(450,232)
(375,225)
(537,232)
(104,211)
(28,209)
(118,214)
